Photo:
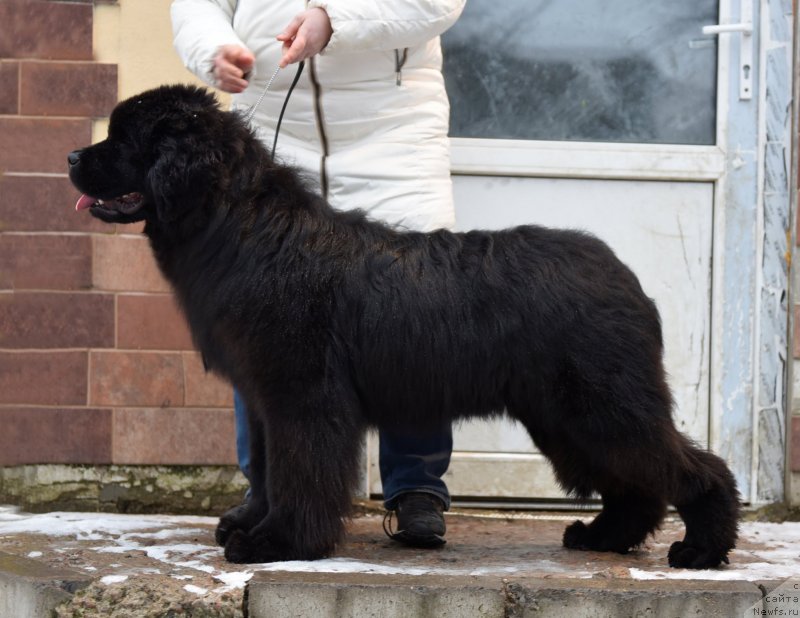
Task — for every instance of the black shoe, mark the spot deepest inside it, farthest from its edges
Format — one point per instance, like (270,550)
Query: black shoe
(420,520)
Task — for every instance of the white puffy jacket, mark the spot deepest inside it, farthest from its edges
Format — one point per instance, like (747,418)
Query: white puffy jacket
(370,114)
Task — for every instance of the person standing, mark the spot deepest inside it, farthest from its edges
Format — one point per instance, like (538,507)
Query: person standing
(369,121)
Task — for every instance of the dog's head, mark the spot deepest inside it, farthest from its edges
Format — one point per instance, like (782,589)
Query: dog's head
(163,158)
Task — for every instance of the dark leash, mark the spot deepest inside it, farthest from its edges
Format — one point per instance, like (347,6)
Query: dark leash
(254,107)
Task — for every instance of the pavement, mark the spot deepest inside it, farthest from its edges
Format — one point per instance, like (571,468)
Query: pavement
(495,564)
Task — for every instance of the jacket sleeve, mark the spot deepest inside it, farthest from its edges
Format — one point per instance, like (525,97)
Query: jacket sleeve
(199,28)
(359,25)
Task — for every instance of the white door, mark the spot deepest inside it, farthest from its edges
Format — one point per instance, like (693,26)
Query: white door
(602,116)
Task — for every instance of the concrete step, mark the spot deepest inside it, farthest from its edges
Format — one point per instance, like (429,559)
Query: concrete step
(347,595)
(32,588)
(496,564)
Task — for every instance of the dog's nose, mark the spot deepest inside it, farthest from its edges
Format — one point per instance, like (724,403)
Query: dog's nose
(74,157)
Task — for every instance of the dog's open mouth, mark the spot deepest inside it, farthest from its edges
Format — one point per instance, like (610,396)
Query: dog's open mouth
(127,204)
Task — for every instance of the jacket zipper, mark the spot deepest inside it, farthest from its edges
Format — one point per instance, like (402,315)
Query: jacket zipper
(399,62)
(323,138)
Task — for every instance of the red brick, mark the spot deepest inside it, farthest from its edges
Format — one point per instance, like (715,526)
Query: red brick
(7,258)
(41,145)
(126,263)
(67,89)
(151,322)
(794,449)
(204,389)
(43,204)
(47,379)
(38,29)
(37,262)
(40,320)
(174,437)
(9,88)
(55,435)
(136,379)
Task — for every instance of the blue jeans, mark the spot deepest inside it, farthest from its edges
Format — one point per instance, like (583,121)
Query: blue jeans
(408,462)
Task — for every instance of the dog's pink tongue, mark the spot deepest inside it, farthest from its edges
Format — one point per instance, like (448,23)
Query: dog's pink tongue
(84,201)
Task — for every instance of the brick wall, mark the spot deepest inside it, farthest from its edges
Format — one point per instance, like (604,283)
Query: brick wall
(96,363)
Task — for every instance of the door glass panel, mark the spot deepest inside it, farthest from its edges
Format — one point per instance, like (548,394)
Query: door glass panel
(586,70)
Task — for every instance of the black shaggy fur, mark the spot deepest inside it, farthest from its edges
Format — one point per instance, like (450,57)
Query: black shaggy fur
(329,322)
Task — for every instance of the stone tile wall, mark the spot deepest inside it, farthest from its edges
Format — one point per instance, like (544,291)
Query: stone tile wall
(96,362)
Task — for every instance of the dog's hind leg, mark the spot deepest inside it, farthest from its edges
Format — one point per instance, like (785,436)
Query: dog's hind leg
(638,481)
(705,495)
(313,455)
(618,439)
(624,523)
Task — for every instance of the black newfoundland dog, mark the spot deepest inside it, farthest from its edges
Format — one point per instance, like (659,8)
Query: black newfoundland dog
(329,322)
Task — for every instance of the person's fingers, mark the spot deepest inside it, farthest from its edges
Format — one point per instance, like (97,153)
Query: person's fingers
(235,55)
(294,52)
(291,30)
(243,58)
(305,36)
(230,66)
(228,77)
(232,85)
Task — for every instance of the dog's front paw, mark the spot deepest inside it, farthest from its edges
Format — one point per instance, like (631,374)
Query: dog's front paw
(244,548)
(239,547)
(231,521)
(683,555)
(243,517)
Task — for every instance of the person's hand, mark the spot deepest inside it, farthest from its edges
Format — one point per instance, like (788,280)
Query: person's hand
(305,36)
(231,64)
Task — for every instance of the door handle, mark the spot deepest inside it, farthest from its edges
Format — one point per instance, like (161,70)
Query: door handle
(722,28)
(745,29)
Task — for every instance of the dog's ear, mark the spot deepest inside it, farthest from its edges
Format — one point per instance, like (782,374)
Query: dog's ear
(181,178)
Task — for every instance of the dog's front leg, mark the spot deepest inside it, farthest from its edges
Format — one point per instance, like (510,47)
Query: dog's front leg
(246,516)
(313,454)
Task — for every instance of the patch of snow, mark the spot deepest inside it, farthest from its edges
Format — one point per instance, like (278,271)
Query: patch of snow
(341,565)
(347,565)
(196,565)
(195,589)
(113,579)
(94,526)
(167,533)
(35,554)
(156,552)
(750,571)
(234,579)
